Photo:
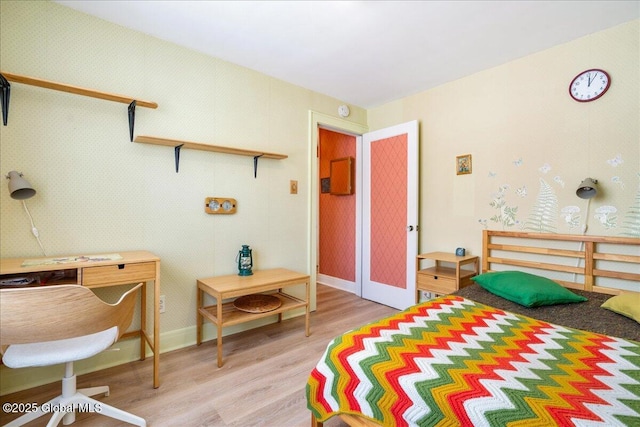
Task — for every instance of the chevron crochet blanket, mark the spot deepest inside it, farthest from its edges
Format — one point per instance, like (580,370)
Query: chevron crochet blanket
(455,362)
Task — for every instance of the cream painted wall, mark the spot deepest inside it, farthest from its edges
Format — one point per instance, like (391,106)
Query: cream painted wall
(97,192)
(529,142)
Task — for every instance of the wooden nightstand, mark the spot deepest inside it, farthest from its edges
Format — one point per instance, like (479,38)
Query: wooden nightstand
(441,279)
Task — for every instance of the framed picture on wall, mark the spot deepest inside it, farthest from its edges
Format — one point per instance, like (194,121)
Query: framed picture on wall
(463,164)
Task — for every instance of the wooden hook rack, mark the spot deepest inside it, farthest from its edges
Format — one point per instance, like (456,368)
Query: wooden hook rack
(5,78)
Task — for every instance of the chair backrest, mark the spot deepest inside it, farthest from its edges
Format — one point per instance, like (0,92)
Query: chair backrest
(56,312)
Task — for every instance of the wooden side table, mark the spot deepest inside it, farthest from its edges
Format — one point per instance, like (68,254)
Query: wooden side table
(441,279)
(232,286)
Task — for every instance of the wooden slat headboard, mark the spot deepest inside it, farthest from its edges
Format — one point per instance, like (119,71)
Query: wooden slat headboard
(592,260)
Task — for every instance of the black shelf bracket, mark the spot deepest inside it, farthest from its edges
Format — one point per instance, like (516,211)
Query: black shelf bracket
(255,165)
(176,151)
(132,118)
(5,92)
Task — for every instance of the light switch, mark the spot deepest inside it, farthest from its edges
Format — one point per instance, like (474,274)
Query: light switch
(293,187)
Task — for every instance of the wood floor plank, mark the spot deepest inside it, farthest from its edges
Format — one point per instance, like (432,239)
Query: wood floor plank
(262,381)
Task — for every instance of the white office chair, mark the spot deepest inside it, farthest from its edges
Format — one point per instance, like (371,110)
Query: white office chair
(49,325)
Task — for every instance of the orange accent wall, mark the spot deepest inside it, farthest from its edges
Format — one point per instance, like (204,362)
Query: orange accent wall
(389,211)
(337,216)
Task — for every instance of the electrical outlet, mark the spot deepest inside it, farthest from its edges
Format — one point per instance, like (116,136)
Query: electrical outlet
(293,187)
(162,304)
(425,296)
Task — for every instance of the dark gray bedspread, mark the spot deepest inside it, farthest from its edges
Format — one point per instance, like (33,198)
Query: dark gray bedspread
(586,315)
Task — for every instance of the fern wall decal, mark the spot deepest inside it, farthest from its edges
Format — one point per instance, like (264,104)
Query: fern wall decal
(545,212)
(631,222)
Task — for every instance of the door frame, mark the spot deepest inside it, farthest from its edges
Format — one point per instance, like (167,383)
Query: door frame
(316,120)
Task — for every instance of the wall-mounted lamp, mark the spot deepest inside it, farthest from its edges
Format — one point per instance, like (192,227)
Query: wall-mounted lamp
(19,188)
(587,188)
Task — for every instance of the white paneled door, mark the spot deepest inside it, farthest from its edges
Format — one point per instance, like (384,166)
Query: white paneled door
(390,215)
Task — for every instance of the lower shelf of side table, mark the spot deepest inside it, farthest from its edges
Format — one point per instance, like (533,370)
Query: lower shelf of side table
(232,316)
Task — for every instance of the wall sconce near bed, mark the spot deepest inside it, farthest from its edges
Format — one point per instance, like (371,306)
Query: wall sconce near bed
(587,188)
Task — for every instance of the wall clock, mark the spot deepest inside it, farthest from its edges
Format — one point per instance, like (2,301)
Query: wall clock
(219,205)
(589,85)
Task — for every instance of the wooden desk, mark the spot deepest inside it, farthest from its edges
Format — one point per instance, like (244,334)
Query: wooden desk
(233,286)
(132,267)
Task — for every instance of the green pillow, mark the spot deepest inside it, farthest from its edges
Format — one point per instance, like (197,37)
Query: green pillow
(625,304)
(526,289)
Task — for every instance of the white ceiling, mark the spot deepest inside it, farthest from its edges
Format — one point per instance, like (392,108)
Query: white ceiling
(365,53)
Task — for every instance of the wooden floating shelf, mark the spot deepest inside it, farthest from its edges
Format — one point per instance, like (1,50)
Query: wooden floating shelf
(5,91)
(206,147)
(179,144)
(77,90)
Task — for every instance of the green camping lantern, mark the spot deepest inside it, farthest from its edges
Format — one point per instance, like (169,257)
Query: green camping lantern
(245,261)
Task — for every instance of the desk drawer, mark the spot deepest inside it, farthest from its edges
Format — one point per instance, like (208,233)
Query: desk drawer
(440,285)
(118,274)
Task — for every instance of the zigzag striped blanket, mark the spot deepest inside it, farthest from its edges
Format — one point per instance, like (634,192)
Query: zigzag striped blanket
(455,362)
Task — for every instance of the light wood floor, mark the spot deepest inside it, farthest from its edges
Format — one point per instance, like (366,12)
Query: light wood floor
(262,381)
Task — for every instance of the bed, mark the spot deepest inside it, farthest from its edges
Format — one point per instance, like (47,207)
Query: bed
(478,358)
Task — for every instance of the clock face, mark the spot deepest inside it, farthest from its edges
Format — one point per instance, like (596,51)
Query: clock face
(589,85)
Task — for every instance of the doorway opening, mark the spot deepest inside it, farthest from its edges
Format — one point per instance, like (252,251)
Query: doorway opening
(338,247)
(318,121)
